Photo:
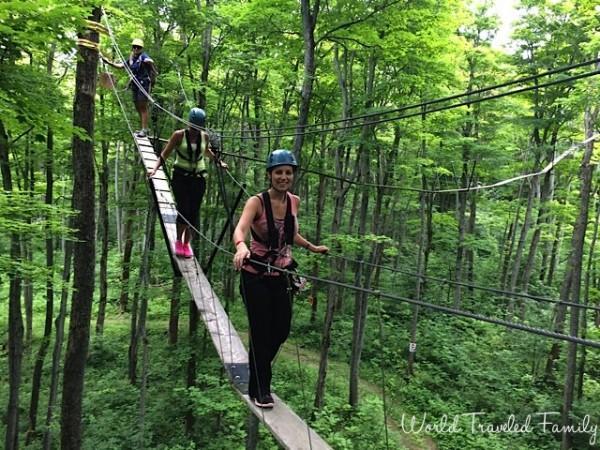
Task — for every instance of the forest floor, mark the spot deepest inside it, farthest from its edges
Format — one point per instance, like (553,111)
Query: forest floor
(311,358)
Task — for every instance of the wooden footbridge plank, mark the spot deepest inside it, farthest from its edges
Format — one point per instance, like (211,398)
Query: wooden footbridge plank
(285,425)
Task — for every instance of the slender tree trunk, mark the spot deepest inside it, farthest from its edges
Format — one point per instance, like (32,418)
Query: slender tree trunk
(309,22)
(103,219)
(547,190)
(41,355)
(15,318)
(516,269)
(555,253)
(26,248)
(59,324)
(174,312)
(586,299)
(318,231)
(191,365)
(361,299)
(141,335)
(412,346)
(84,254)
(127,251)
(576,257)
(206,54)
(337,266)
(470,254)
(138,323)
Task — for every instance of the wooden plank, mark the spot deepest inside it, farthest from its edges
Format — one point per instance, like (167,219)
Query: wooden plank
(283,423)
(162,185)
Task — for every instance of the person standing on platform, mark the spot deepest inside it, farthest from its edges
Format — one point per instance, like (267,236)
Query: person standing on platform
(192,147)
(271,218)
(143,69)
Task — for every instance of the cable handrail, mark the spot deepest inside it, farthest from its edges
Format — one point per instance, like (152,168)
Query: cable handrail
(403,299)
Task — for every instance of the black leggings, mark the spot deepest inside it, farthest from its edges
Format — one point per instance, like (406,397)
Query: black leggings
(269,305)
(188,192)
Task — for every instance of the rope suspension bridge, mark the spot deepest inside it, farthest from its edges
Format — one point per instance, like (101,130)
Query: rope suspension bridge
(286,426)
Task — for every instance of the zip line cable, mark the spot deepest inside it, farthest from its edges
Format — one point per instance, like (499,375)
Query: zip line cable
(445,99)
(421,113)
(447,281)
(468,285)
(546,169)
(385,120)
(402,299)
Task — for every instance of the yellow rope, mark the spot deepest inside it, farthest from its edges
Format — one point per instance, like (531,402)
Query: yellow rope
(87,43)
(96,26)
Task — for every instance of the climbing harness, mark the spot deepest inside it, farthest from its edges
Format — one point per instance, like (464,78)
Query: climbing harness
(273,239)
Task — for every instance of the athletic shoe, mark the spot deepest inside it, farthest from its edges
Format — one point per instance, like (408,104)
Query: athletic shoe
(180,249)
(141,133)
(187,250)
(266,401)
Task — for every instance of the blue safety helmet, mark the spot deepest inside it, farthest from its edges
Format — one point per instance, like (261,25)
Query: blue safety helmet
(281,158)
(197,116)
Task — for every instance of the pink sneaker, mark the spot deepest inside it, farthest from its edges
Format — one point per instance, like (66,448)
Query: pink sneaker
(187,250)
(180,249)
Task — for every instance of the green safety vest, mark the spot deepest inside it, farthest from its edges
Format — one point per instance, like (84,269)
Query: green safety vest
(192,161)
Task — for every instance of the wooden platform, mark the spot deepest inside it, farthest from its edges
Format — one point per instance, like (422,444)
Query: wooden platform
(289,429)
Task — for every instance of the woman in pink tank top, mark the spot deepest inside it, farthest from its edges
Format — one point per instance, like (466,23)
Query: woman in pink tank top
(271,218)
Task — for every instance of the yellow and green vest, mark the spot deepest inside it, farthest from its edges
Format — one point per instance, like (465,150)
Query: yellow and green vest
(189,160)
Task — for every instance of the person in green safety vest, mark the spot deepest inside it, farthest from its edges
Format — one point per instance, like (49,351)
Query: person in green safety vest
(192,147)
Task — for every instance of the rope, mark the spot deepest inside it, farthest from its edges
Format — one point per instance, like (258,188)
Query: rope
(469,285)
(546,169)
(87,44)
(300,371)
(432,306)
(424,112)
(445,99)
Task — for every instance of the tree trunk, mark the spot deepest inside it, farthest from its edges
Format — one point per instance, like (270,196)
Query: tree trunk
(516,269)
(128,249)
(15,318)
(546,196)
(309,21)
(174,312)
(470,254)
(412,346)
(206,54)
(26,247)
(586,299)
(337,266)
(41,355)
(141,335)
(191,365)
(555,253)
(84,251)
(361,299)
(103,219)
(138,323)
(576,257)
(318,231)
(59,324)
